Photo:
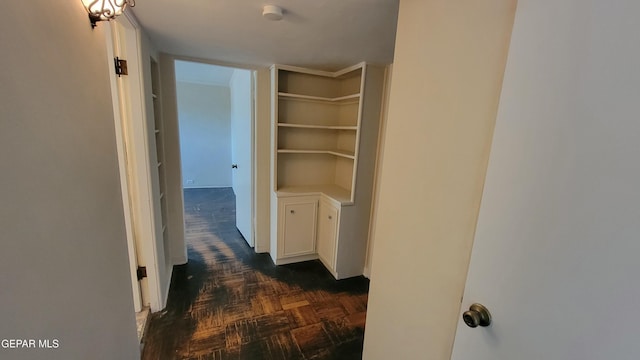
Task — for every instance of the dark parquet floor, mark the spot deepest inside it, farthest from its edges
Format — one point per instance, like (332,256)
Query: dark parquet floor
(228,302)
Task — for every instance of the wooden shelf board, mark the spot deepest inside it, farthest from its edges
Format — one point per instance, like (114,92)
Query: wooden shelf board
(326,127)
(335,74)
(342,195)
(318,98)
(341,153)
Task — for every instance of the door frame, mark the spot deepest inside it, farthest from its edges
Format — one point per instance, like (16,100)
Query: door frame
(254,115)
(134,161)
(123,169)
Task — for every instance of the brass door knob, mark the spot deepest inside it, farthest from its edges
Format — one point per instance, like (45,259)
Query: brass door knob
(477,315)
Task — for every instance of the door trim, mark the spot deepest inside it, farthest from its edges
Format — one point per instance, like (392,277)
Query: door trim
(258,246)
(123,169)
(135,149)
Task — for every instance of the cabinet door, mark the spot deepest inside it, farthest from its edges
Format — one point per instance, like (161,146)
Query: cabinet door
(299,227)
(327,234)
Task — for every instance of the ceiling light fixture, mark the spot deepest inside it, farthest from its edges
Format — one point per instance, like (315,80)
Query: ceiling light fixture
(272,12)
(100,10)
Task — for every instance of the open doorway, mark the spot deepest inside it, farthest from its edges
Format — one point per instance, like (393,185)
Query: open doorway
(216,116)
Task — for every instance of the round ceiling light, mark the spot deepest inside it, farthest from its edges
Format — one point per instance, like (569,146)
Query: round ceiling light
(272,12)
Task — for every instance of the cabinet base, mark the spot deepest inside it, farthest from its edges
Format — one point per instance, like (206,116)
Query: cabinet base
(329,268)
(295,259)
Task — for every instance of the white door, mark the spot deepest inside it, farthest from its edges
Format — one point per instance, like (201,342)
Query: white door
(298,215)
(327,234)
(556,257)
(242,149)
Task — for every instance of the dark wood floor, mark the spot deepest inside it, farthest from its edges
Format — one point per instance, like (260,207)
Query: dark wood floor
(230,303)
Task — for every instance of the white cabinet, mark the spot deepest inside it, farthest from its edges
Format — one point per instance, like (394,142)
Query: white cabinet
(328,217)
(297,228)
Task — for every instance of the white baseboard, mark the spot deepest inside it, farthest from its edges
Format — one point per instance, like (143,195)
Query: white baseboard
(295,259)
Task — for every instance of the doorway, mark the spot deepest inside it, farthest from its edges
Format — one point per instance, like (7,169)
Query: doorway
(216,117)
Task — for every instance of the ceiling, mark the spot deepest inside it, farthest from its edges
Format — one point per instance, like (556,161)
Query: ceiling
(322,34)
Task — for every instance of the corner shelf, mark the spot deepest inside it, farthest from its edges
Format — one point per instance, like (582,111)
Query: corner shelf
(346,98)
(320,127)
(322,122)
(340,153)
(341,195)
(317,128)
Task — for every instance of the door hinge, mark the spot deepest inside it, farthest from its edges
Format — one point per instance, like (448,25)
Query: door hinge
(141,272)
(121,66)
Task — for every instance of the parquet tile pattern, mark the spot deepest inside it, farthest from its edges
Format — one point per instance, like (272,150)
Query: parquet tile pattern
(230,303)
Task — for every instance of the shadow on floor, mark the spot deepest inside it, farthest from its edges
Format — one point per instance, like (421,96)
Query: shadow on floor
(229,303)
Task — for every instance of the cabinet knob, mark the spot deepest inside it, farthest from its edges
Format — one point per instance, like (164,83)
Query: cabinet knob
(330,217)
(293,211)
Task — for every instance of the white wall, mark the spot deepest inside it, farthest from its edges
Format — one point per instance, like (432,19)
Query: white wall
(447,74)
(204,114)
(63,258)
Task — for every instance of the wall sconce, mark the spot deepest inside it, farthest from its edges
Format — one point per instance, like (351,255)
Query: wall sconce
(100,10)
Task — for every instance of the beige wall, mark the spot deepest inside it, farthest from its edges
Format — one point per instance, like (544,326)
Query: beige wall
(263,160)
(63,258)
(447,74)
(173,170)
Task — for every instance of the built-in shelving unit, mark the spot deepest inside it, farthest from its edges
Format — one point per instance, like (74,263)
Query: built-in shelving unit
(321,126)
(160,153)
(317,128)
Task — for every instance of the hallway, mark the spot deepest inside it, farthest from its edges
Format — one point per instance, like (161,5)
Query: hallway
(230,303)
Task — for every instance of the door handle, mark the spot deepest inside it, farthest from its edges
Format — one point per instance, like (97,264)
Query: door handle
(234,166)
(477,315)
